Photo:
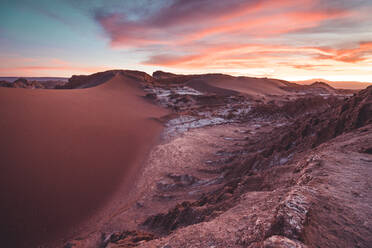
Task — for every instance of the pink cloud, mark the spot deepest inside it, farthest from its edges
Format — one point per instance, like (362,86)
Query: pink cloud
(193,35)
(23,67)
(241,56)
(51,68)
(358,53)
(190,21)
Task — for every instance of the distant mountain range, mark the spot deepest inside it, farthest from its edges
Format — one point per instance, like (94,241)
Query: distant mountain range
(211,83)
(33,82)
(355,85)
(12,79)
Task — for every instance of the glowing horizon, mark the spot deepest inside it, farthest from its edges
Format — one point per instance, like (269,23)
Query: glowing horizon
(290,40)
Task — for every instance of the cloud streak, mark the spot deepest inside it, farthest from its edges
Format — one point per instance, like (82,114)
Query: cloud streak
(281,38)
(228,55)
(236,34)
(189,21)
(39,67)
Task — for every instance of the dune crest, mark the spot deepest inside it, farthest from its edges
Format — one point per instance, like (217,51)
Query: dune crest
(64,152)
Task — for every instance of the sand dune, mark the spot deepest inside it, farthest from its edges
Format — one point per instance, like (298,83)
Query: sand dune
(64,152)
(246,85)
(222,84)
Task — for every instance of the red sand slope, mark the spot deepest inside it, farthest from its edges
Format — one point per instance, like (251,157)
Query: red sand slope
(223,84)
(227,85)
(63,152)
(250,86)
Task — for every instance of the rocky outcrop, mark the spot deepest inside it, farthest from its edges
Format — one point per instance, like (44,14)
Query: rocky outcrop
(292,214)
(126,239)
(83,81)
(24,83)
(159,75)
(117,239)
(5,84)
(282,242)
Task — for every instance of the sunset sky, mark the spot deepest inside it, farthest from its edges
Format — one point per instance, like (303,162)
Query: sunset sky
(287,39)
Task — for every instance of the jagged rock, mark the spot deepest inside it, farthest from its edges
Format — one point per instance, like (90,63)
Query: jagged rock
(182,215)
(151,96)
(163,75)
(75,244)
(282,242)
(125,239)
(20,83)
(291,214)
(5,84)
(177,181)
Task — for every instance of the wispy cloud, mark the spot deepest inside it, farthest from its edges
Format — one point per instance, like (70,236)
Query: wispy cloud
(33,66)
(238,34)
(190,21)
(281,38)
(241,55)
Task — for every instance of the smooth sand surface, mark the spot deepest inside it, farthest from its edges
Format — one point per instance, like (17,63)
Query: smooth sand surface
(64,152)
(245,85)
(252,86)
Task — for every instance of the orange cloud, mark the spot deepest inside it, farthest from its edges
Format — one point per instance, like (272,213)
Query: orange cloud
(41,68)
(51,68)
(196,21)
(267,18)
(357,54)
(240,56)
